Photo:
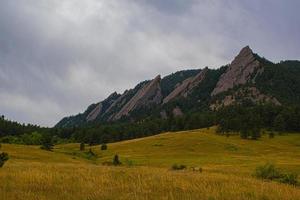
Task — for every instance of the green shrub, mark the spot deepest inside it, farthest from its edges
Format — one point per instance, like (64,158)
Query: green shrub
(103,147)
(178,167)
(270,172)
(3,158)
(289,178)
(267,171)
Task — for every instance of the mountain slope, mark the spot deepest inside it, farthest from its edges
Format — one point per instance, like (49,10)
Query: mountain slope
(248,77)
(227,162)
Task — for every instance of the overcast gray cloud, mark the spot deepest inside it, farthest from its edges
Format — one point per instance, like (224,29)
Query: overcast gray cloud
(58,56)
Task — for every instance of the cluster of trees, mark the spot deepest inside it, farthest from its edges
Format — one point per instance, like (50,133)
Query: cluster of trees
(248,121)
(104,133)
(8,127)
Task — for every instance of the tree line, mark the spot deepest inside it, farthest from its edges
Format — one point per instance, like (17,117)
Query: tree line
(248,120)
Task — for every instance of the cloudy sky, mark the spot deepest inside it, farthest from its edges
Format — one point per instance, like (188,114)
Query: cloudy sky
(59,56)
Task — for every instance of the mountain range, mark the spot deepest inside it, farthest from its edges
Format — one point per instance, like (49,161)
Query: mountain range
(248,78)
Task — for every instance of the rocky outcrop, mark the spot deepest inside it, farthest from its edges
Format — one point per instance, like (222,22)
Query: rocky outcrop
(148,94)
(186,86)
(249,93)
(102,107)
(239,71)
(95,112)
(119,102)
(177,112)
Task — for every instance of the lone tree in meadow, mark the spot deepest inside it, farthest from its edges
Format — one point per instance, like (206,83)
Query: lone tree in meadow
(3,158)
(82,146)
(104,146)
(116,160)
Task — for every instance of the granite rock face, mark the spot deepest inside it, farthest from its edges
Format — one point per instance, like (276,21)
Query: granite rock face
(186,86)
(149,94)
(239,71)
(248,93)
(95,112)
(102,107)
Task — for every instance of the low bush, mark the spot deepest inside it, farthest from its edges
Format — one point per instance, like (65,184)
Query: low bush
(270,172)
(267,171)
(289,178)
(3,158)
(178,167)
(104,147)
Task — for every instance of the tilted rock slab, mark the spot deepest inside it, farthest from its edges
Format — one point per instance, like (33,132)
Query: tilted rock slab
(150,93)
(239,71)
(94,113)
(186,86)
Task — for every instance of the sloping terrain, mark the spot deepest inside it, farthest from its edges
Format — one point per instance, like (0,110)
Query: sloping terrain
(227,162)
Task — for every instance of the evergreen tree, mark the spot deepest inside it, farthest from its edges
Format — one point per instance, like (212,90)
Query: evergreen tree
(116,160)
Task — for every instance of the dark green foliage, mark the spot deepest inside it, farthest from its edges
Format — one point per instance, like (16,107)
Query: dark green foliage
(116,160)
(103,147)
(3,158)
(270,172)
(46,142)
(82,146)
(249,120)
(281,81)
(178,167)
(289,178)
(267,171)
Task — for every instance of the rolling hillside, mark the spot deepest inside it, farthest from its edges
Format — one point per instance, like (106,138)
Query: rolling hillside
(227,162)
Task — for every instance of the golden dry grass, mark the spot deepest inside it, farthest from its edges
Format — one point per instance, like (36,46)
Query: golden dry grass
(228,163)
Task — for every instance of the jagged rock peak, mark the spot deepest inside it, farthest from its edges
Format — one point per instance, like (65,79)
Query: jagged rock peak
(238,72)
(98,110)
(148,94)
(186,86)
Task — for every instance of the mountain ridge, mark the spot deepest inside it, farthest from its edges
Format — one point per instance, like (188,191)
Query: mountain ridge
(248,77)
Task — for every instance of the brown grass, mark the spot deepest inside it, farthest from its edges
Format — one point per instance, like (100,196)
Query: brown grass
(34,174)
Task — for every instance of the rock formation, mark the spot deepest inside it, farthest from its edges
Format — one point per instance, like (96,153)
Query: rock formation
(95,112)
(149,94)
(102,106)
(249,93)
(186,86)
(239,71)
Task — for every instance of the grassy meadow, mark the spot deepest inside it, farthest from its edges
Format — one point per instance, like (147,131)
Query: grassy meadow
(228,164)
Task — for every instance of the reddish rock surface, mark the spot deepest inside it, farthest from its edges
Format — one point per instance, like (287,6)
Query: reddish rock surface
(186,86)
(239,71)
(149,94)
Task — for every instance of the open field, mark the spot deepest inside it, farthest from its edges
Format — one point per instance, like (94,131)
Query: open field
(227,162)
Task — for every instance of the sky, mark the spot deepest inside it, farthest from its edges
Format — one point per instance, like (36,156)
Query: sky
(59,56)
